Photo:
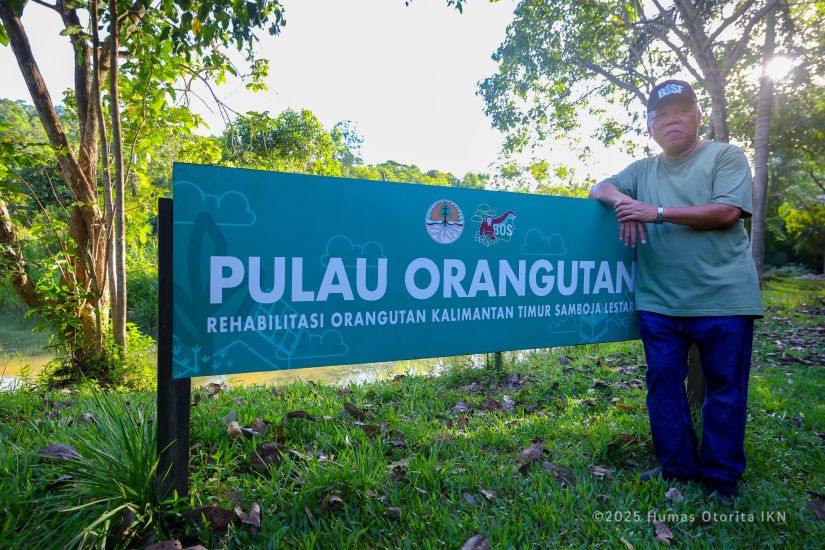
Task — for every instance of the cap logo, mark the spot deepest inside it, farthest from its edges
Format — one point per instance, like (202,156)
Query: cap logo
(671,89)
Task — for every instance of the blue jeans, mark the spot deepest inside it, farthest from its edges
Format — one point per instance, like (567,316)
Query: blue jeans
(725,345)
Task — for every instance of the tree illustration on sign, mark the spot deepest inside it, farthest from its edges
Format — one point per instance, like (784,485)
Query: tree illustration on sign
(445,213)
(444,221)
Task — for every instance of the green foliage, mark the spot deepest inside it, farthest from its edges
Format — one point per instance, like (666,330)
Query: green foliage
(113,479)
(291,142)
(104,369)
(547,77)
(142,281)
(27,163)
(806,225)
(125,442)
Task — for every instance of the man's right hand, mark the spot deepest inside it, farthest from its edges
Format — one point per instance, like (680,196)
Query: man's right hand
(628,233)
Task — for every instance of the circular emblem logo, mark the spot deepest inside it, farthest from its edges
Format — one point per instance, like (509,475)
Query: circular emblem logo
(444,221)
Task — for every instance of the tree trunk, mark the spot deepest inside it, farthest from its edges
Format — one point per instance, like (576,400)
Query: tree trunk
(119,260)
(764,112)
(84,268)
(108,206)
(719,110)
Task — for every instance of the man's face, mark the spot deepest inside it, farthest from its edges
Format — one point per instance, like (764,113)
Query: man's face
(674,127)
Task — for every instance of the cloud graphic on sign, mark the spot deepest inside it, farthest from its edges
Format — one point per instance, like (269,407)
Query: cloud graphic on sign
(229,209)
(340,246)
(329,344)
(537,244)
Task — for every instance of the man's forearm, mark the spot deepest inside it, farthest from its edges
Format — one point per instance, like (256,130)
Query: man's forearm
(705,216)
(606,193)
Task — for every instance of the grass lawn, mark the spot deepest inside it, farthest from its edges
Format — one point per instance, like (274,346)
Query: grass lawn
(543,455)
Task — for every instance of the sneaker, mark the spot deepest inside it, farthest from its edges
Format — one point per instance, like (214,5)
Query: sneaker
(722,492)
(650,474)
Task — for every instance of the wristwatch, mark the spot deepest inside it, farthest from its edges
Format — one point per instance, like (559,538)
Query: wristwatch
(660,214)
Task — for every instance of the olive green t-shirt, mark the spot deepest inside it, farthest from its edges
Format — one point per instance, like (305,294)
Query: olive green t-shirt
(694,272)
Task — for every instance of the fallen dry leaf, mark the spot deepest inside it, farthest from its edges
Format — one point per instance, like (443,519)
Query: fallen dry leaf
(511,380)
(462,406)
(398,475)
(266,455)
(674,495)
(219,519)
(490,404)
(165,545)
(332,502)
(818,507)
(85,418)
(562,475)
(233,430)
(531,453)
(602,472)
(299,414)
(403,463)
(489,495)
(229,418)
(663,533)
(395,513)
(397,439)
(61,483)
(60,450)
(258,427)
(476,542)
(127,517)
(253,518)
(627,544)
(354,411)
(309,515)
(369,429)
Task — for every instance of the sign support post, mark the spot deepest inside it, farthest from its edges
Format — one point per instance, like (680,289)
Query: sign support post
(174,395)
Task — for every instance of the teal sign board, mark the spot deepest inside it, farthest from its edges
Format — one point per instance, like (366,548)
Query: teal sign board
(282,271)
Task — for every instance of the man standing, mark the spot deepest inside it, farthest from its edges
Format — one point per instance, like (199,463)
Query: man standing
(696,283)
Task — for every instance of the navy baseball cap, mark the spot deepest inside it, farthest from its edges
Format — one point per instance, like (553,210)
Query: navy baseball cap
(669,90)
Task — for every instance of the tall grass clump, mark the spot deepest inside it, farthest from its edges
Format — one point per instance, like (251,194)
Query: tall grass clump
(111,491)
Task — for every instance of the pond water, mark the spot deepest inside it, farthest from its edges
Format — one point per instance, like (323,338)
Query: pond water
(12,368)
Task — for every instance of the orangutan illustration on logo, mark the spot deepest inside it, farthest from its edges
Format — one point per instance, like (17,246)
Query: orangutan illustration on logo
(493,228)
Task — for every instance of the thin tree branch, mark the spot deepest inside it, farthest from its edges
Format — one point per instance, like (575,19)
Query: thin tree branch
(42,100)
(727,21)
(685,38)
(614,80)
(736,53)
(653,26)
(816,180)
(46,4)
(140,125)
